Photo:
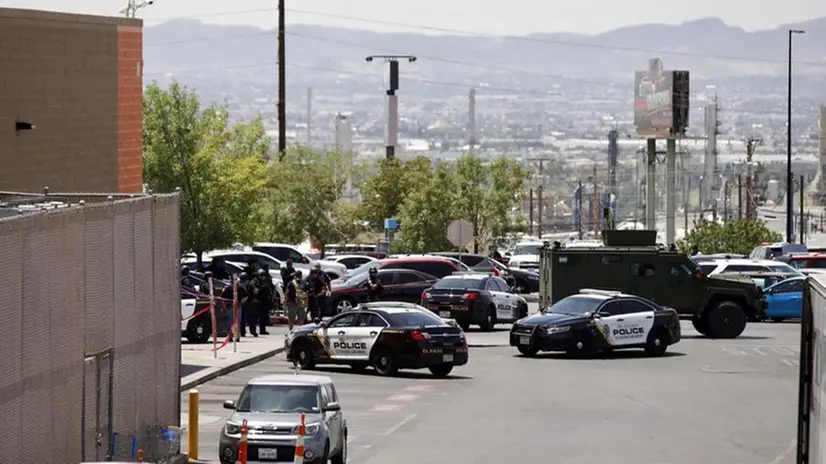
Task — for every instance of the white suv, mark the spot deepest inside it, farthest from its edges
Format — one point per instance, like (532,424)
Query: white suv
(729,266)
(525,255)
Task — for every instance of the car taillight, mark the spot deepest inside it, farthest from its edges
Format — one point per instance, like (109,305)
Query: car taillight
(425,295)
(472,296)
(496,272)
(418,336)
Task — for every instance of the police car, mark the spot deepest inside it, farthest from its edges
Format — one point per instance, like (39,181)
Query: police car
(598,320)
(475,298)
(386,336)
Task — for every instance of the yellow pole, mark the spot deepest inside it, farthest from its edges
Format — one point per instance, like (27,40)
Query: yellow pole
(194,400)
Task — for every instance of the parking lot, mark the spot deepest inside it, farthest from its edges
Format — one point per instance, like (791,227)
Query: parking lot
(714,401)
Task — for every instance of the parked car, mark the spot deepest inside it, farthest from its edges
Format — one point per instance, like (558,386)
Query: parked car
(399,285)
(773,250)
(351,261)
(283,252)
(784,300)
(525,255)
(731,266)
(436,266)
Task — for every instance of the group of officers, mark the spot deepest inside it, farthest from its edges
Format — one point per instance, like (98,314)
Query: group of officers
(257,293)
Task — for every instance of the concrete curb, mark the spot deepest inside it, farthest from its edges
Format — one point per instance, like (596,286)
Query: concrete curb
(222,371)
(476,345)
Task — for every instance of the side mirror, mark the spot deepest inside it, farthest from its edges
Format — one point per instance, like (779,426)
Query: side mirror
(332,407)
(229,405)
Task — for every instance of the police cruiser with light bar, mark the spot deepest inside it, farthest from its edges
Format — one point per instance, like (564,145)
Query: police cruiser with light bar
(386,336)
(598,320)
(475,298)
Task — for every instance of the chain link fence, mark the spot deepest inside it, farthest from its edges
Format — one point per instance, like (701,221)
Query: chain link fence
(92,321)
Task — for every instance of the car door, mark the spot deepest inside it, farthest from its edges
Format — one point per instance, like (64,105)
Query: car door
(638,320)
(339,424)
(364,335)
(786,299)
(509,310)
(617,327)
(390,290)
(336,334)
(502,310)
(409,286)
(330,417)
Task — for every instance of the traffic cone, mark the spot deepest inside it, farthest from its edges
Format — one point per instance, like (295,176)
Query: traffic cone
(299,443)
(140,455)
(242,444)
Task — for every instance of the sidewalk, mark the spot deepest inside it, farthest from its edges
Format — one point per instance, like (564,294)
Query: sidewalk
(199,364)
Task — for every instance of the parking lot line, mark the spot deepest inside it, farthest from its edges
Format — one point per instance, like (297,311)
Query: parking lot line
(399,425)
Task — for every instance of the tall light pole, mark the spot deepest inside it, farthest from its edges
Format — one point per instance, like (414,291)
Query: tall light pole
(392,100)
(789,180)
(282,82)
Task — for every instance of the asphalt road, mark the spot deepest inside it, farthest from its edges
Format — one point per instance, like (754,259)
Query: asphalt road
(710,401)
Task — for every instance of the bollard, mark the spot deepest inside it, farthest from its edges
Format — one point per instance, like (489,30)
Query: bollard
(242,444)
(192,436)
(299,443)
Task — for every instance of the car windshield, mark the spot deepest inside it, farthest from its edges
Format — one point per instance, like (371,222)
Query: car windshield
(279,398)
(577,305)
(527,249)
(459,283)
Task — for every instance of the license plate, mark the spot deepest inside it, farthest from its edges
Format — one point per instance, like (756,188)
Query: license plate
(267,453)
(444,313)
(448,358)
(524,340)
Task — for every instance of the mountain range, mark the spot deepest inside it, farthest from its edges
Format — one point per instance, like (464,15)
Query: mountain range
(707,47)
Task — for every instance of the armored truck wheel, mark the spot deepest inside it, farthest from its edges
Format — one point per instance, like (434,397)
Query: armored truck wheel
(699,325)
(725,320)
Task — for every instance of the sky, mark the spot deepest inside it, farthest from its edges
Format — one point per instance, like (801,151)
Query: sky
(514,17)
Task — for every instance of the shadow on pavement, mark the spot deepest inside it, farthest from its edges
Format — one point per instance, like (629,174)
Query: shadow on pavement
(405,374)
(619,354)
(741,337)
(187,369)
(496,329)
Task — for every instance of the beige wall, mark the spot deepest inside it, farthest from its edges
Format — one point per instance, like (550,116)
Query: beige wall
(76,282)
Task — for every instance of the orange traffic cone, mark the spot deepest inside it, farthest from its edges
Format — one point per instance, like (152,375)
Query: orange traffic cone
(299,443)
(242,444)
(140,455)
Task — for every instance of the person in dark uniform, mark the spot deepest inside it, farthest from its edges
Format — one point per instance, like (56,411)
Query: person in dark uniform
(251,268)
(187,284)
(373,286)
(287,273)
(243,281)
(263,283)
(319,292)
(249,309)
(495,255)
(273,300)
(218,268)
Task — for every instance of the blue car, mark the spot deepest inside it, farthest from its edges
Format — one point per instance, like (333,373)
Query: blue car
(784,300)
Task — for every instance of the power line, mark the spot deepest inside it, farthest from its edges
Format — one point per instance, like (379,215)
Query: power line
(497,36)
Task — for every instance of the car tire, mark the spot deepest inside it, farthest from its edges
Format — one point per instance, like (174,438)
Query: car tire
(198,330)
(441,370)
(657,343)
(490,320)
(579,347)
(727,320)
(342,305)
(302,355)
(341,456)
(528,351)
(383,362)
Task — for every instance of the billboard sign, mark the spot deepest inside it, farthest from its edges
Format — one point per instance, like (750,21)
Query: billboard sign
(660,101)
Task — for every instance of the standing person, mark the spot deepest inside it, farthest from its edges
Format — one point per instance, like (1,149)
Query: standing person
(495,255)
(288,273)
(296,312)
(244,302)
(373,286)
(264,300)
(320,292)
(250,310)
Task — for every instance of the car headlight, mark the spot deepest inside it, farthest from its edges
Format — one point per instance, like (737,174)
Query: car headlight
(557,329)
(232,429)
(309,429)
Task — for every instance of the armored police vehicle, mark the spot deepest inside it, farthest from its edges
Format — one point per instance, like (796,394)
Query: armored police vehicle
(631,263)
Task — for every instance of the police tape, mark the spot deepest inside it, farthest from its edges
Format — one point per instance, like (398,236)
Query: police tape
(205,296)
(203,311)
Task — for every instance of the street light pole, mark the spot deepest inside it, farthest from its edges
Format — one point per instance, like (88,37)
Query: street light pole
(789,180)
(392,99)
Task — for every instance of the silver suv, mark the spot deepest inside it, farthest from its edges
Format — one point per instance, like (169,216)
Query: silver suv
(272,406)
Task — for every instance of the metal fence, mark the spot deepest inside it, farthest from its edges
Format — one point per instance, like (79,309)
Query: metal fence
(91,311)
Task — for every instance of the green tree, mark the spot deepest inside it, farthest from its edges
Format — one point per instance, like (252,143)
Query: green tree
(473,179)
(736,237)
(427,212)
(384,192)
(305,193)
(219,168)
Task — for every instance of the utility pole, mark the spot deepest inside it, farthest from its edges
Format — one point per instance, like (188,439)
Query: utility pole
(309,117)
(282,83)
(687,201)
(800,214)
(726,194)
(579,210)
(530,211)
(471,124)
(392,100)
(540,191)
(132,7)
(739,196)
(751,145)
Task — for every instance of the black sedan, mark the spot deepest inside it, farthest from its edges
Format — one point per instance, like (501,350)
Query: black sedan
(474,298)
(598,320)
(398,284)
(520,280)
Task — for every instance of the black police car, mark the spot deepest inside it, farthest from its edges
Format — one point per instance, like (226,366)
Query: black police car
(385,335)
(598,320)
(474,298)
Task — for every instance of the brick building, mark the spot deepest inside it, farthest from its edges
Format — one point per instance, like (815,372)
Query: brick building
(78,80)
